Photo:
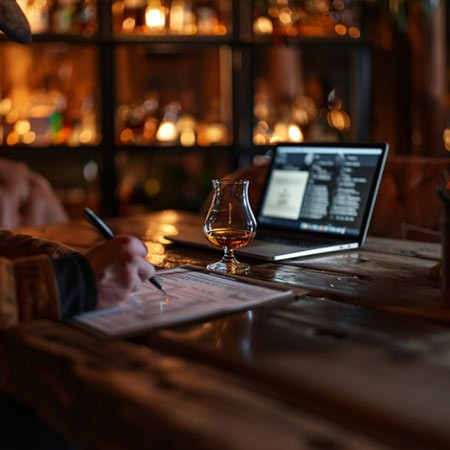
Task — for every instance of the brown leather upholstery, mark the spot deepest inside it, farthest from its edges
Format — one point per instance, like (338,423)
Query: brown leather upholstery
(406,207)
(26,198)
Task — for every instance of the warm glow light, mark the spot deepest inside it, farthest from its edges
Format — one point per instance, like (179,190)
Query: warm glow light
(295,133)
(166,132)
(155,248)
(150,126)
(301,116)
(167,229)
(187,137)
(281,130)
(186,121)
(169,216)
(126,135)
(259,139)
(206,23)
(275,139)
(216,133)
(354,32)
(159,232)
(263,26)
(261,110)
(12,138)
(338,119)
(12,116)
(128,24)
(22,127)
(40,111)
(5,106)
(86,137)
(29,138)
(340,29)
(220,29)
(176,23)
(323,7)
(447,139)
(261,133)
(190,29)
(155,17)
(181,18)
(285,16)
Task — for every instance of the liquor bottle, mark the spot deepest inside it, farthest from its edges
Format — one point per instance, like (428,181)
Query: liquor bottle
(88,16)
(62,16)
(179,16)
(38,15)
(155,16)
(133,15)
(207,17)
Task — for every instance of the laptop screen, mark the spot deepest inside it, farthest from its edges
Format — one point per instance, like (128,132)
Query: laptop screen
(322,188)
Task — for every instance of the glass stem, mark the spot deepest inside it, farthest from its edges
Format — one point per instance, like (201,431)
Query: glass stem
(228,255)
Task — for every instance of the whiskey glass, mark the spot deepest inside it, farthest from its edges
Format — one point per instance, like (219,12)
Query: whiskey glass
(230,223)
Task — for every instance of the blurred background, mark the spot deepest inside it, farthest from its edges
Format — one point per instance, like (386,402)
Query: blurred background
(135,105)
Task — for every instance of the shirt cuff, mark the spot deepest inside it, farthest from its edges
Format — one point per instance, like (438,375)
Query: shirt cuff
(76,283)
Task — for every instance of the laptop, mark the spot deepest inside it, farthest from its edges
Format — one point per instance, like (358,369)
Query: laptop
(317,198)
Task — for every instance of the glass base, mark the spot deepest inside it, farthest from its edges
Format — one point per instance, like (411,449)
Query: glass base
(233,267)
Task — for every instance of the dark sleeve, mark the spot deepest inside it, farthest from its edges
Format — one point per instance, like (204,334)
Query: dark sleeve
(76,283)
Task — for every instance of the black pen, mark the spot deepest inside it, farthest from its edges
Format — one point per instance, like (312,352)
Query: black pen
(107,233)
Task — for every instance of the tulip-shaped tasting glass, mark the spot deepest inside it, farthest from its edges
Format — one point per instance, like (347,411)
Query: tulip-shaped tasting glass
(230,223)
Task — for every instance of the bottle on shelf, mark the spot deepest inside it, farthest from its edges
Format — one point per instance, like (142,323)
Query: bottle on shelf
(172,17)
(207,17)
(63,15)
(181,18)
(155,16)
(38,15)
(132,14)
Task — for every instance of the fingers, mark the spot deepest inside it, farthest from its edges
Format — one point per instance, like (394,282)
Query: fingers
(134,251)
(146,271)
(120,267)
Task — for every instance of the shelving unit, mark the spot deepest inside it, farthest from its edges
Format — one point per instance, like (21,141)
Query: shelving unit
(215,83)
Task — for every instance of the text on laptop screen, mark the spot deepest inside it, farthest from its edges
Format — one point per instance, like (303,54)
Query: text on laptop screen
(320,189)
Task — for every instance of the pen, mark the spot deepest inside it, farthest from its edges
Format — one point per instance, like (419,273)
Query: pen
(107,233)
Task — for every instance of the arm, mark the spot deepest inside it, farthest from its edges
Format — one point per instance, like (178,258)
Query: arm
(41,287)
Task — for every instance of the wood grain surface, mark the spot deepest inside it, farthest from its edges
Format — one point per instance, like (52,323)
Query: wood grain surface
(361,362)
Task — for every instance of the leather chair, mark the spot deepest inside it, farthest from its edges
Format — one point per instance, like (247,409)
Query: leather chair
(26,198)
(407,205)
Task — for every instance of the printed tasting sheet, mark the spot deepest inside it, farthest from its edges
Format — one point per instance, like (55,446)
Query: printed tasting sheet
(191,294)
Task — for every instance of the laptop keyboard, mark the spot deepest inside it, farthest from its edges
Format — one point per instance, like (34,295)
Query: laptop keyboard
(289,241)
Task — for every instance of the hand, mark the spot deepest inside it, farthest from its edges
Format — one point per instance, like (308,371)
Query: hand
(119,268)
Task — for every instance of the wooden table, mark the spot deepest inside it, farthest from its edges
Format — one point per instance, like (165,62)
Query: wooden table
(361,362)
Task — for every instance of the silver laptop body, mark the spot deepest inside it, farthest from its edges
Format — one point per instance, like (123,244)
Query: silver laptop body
(318,198)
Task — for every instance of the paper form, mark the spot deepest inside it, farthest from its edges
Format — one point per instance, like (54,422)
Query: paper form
(192,294)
